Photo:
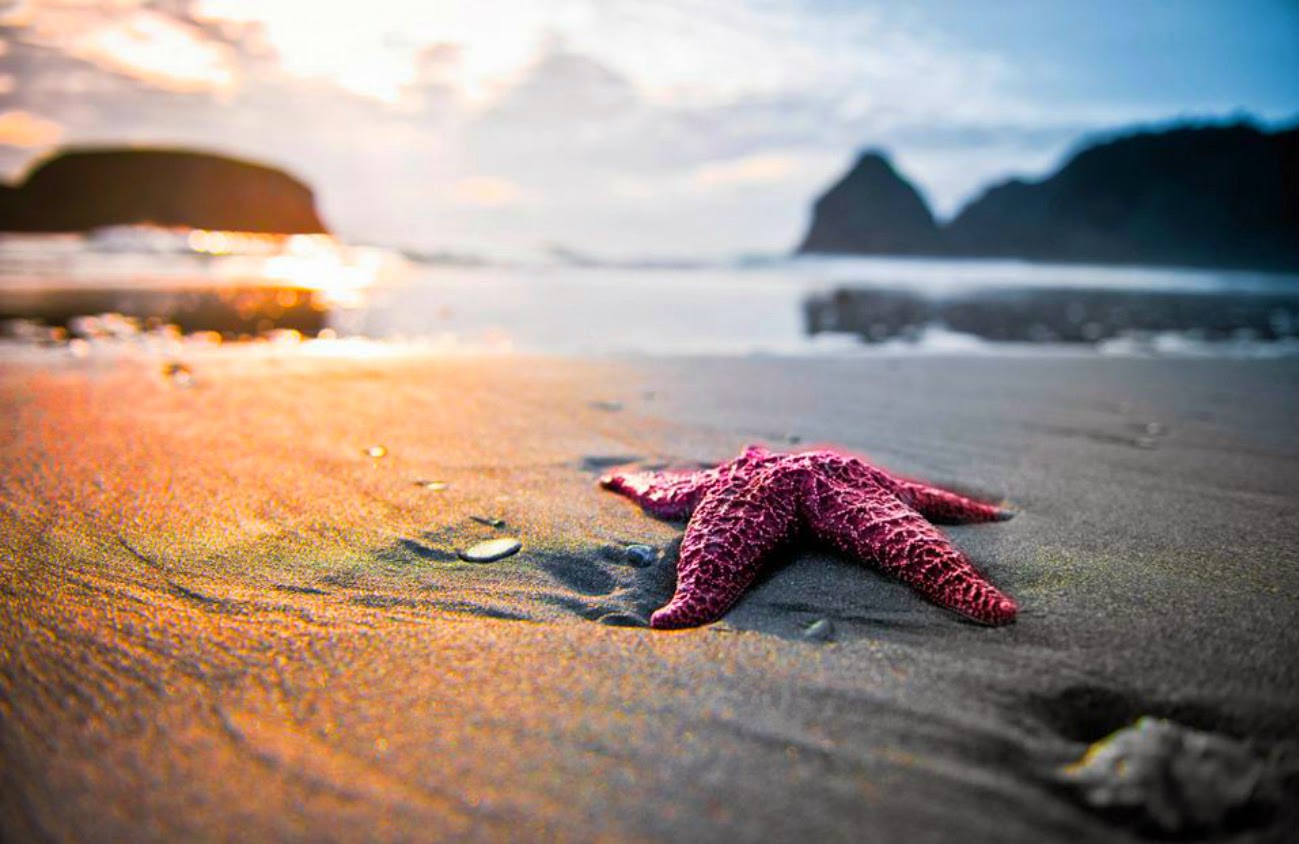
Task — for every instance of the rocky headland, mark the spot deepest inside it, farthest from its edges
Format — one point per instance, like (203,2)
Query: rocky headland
(84,189)
(1211,196)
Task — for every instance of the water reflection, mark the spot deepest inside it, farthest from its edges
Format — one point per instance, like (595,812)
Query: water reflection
(234,283)
(250,285)
(1052,316)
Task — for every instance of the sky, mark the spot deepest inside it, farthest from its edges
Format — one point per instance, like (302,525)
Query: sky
(626,128)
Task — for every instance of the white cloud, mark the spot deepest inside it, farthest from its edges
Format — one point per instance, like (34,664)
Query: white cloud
(137,42)
(752,169)
(486,192)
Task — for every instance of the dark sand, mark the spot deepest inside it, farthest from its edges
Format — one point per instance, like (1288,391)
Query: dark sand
(222,620)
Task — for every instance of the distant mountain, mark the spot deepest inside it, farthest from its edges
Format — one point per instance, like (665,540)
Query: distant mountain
(872,210)
(1214,196)
(84,189)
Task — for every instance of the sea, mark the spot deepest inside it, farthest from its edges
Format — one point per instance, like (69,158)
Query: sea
(134,280)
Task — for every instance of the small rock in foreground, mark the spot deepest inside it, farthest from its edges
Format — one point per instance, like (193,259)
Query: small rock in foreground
(491,550)
(821,630)
(1170,778)
(641,555)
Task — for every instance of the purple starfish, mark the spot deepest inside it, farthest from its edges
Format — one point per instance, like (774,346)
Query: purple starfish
(741,511)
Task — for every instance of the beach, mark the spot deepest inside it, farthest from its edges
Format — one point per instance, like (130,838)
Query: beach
(233,607)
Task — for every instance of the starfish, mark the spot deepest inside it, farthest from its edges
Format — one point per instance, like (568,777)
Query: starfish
(742,511)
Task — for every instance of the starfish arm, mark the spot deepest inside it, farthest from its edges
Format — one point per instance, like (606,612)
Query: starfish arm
(668,495)
(873,524)
(731,534)
(945,507)
(932,502)
(675,494)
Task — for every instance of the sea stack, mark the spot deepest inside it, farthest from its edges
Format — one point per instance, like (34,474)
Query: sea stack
(872,210)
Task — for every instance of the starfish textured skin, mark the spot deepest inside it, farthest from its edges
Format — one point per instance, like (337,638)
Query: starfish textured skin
(742,511)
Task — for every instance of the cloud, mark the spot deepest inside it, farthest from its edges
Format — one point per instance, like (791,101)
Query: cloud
(376,50)
(753,169)
(27,130)
(155,48)
(486,192)
(571,150)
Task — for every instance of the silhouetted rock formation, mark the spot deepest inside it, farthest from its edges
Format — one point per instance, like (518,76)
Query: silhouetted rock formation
(86,189)
(1214,196)
(1221,196)
(872,210)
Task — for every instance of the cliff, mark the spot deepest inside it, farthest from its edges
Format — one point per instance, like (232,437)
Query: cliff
(85,189)
(872,209)
(1217,196)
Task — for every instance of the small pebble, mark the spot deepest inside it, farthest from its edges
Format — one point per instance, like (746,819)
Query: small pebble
(491,550)
(607,405)
(376,451)
(641,555)
(821,630)
(433,486)
(489,522)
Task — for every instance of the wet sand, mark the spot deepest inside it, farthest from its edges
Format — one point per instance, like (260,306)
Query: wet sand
(222,619)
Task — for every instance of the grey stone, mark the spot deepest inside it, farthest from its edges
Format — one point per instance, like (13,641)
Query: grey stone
(491,550)
(641,555)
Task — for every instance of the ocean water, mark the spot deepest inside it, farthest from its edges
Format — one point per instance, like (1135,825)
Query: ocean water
(247,286)
(813,306)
